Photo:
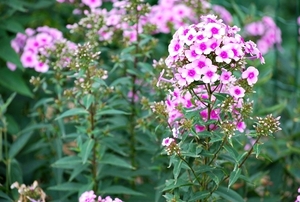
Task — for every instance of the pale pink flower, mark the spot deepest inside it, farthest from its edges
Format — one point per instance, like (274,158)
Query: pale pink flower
(224,54)
(41,67)
(251,74)
(11,66)
(87,196)
(210,75)
(237,92)
(226,77)
(92,3)
(167,141)
(29,59)
(214,30)
(175,47)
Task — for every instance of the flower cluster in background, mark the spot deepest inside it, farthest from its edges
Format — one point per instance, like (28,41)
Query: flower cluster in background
(266,32)
(90,196)
(31,193)
(298,197)
(207,60)
(34,44)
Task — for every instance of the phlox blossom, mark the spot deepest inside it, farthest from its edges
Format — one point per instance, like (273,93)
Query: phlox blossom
(210,75)
(175,47)
(167,141)
(251,74)
(237,92)
(92,3)
(87,196)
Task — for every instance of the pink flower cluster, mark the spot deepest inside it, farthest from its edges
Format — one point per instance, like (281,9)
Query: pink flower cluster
(169,14)
(114,20)
(90,196)
(210,57)
(266,31)
(34,43)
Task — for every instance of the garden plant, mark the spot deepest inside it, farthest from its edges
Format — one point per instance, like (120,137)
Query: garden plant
(144,100)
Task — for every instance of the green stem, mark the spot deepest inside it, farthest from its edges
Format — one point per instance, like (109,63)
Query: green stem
(219,149)
(190,168)
(249,152)
(94,157)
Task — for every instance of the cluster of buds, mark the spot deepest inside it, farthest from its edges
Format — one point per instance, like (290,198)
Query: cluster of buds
(31,193)
(267,125)
(209,77)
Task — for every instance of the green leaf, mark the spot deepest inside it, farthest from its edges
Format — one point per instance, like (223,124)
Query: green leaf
(4,106)
(12,26)
(77,170)
(68,186)
(14,82)
(68,162)
(16,4)
(9,54)
(199,195)
(231,152)
(172,184)
(5,196)
(234,176)
(115,160)
(88,100)
(121,190)
(257,149)
(86,150)
(121,81)
(145,67)
(177,169)
(228,194)
(72,112)
(19,144)
(112,112)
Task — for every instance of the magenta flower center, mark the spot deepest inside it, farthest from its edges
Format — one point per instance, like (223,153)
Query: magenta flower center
(214,30)
(202,46)
(237,91)
(201,64)
(191,72)
(251,75)
(223,54)
(176,47)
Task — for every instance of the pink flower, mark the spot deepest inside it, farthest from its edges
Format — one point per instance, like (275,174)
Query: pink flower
(226,77)
(92,3)
(223,13)
(28,59)
(191,54)
(224,54)
(251,74)
(87,196)
(237,92)
(167,141)
(11,66)
(241,126)
(214,30)
(190,73)
(175,47)
(201,63)
(41,67)
(210,75)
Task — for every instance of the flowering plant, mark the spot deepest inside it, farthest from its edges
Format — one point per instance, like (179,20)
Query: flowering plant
(207,109)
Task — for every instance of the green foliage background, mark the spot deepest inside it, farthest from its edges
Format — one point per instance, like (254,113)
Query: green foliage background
(276,172)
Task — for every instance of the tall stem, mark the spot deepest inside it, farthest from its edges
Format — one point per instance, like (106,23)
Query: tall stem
(94,157)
